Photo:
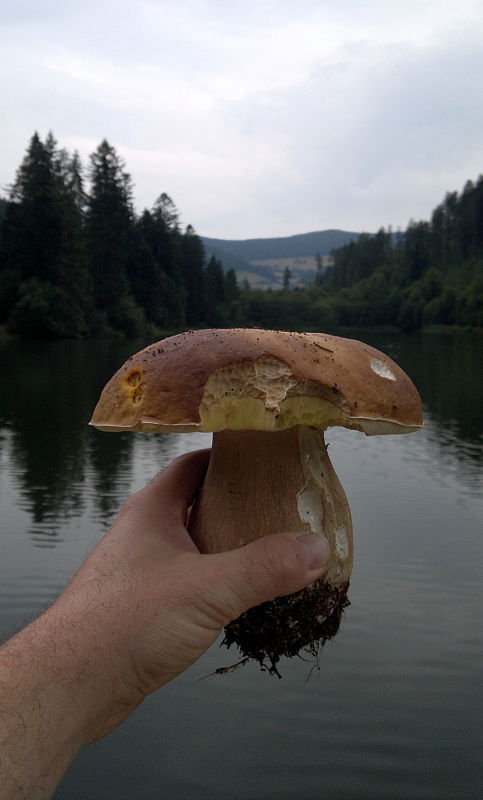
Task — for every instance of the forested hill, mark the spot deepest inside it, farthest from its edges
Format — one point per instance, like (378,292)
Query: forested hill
(432,274)
(77,260)
(262,262)
(298,246)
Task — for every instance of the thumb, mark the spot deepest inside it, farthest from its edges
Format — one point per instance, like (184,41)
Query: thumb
(267,568)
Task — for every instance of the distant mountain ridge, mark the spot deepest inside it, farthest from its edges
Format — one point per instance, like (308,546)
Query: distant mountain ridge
(297,246)
(263,261)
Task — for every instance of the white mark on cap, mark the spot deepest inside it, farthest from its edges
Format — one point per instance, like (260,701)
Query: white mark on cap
(380,368)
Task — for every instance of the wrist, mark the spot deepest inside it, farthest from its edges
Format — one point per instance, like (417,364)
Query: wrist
(59,674)
(46,666)
(92,666)
(44,721)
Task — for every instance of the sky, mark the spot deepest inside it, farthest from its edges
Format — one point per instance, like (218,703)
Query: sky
(259,118)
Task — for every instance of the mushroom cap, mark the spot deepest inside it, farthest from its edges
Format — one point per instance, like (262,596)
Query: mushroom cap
(248,378)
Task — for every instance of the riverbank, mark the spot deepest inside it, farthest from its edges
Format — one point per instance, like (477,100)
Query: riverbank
(351,332)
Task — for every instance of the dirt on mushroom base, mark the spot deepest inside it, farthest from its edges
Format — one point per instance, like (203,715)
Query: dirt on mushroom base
(303,621)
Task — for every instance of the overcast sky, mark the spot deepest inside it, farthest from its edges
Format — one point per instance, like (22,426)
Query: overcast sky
(259,118)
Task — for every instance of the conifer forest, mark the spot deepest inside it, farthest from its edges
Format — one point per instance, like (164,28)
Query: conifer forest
(76,260)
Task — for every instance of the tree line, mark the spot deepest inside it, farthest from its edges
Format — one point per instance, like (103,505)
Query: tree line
(431,274)
(76,260)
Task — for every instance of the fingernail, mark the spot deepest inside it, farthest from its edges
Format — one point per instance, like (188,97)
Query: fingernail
(315,550)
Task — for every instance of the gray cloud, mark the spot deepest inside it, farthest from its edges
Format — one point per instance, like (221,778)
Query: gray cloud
(258,120)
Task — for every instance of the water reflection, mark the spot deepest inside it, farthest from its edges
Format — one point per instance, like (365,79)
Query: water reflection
(44,415)
(446,456)
(394,711)
(59,464)
(110,464)
(447,369)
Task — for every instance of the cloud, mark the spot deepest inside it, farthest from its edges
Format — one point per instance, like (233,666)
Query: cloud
(380,134)
(258,120)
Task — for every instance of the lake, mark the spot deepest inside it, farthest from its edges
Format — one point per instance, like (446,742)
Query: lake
(394,709)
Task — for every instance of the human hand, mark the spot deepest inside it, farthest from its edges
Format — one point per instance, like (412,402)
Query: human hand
(143,606)
(153,604)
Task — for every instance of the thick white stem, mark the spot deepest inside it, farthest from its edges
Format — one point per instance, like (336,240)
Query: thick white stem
(259,483)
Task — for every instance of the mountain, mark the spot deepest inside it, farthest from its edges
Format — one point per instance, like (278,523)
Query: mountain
(262,261)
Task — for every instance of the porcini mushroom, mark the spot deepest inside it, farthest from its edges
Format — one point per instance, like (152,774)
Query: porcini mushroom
(267,396)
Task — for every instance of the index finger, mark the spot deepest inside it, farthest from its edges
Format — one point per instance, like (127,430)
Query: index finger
(174,489)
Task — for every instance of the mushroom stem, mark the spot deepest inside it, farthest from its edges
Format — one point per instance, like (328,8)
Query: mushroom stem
(259,483)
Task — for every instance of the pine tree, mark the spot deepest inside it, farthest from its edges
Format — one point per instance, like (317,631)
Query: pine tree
(144,272)
(10,271)
(165,241)
(43,248)
(214,291)
(192,264)
(75,276)
(110,225)
(36,239)
(72,172)
(287,277)
(417,251)
(319,274)
(161,273)
(231,288)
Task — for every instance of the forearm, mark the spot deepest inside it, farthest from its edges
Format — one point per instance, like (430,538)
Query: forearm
(142,608)
(52,698)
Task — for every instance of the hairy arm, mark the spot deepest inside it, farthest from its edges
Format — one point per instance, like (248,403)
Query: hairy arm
(53,692)
(142,608)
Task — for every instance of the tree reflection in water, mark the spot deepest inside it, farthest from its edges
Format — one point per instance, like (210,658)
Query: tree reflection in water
(60,464)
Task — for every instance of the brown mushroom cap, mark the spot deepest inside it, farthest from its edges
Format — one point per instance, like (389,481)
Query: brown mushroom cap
(243,378)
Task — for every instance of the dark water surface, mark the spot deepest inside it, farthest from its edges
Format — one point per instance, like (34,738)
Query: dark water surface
(394,711)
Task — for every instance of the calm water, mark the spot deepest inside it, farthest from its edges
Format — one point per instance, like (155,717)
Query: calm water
(394,711)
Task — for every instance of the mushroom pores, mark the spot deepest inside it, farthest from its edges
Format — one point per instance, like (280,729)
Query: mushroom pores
(268,397)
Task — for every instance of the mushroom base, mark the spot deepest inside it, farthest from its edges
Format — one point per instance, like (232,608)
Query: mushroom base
(285,626)
(260,483)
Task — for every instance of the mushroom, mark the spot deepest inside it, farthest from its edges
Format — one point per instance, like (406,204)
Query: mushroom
(267,396)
